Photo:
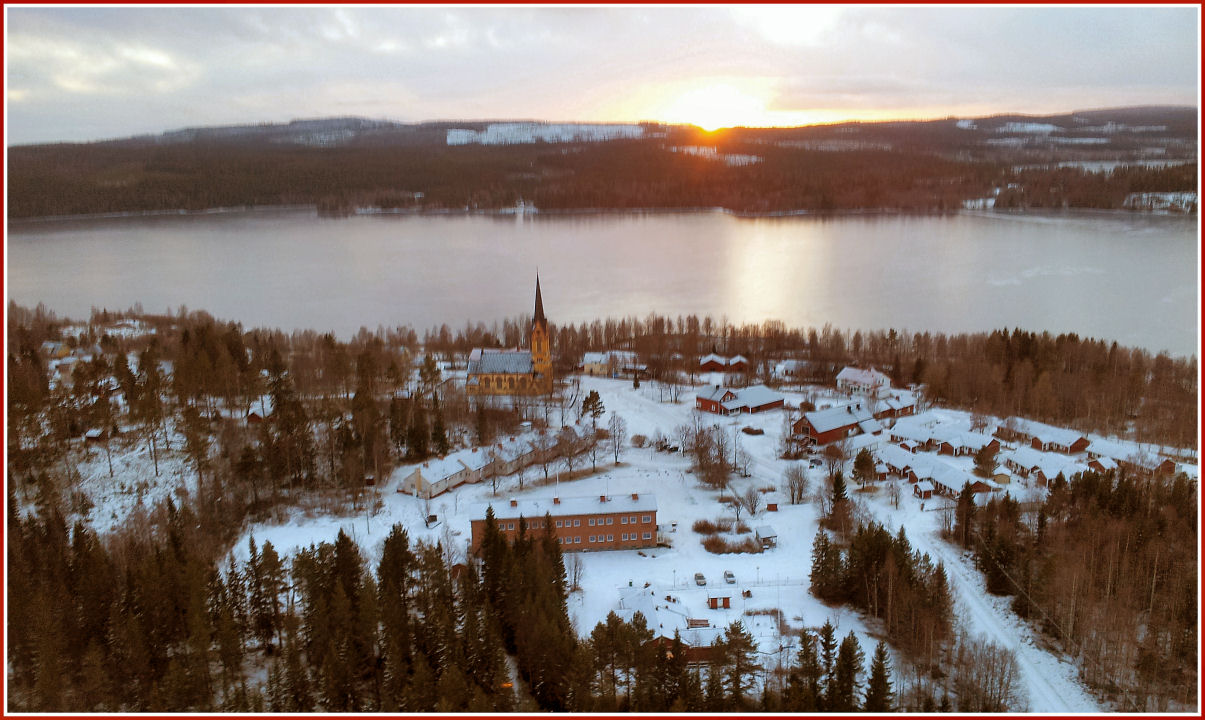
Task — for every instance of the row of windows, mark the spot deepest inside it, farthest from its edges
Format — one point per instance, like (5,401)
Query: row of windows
(537,524)
(625,537)
(625,520)
(533,525)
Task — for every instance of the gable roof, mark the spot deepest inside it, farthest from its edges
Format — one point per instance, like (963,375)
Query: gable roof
(490,361)
(753,396)
(837,417)
(863,377)
(1043,432)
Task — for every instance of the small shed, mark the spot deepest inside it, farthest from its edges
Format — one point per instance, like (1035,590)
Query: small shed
(766,535)
(716,602)
(923,489)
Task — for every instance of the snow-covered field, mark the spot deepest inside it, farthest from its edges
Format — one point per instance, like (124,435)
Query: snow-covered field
(525,133)
(776,578)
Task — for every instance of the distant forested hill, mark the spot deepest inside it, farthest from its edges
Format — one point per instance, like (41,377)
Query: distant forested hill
(339,164)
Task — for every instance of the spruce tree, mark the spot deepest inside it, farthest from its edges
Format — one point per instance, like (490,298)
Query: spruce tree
(847,676)
(879,697)
(439,436)
(828,657)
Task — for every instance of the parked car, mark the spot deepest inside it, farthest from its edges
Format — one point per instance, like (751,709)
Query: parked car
(729,577)
(699,579)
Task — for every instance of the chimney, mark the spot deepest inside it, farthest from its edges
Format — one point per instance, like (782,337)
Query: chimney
(602,498)
(635,496)
(556,501)
(514,502)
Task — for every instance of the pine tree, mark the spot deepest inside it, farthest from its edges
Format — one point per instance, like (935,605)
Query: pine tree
(964,515)
(828,657)
(439,436)
(879,698)
(863,467)
(804,683)
(847,674)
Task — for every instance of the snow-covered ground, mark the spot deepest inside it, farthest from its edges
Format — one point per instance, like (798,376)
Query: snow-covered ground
(525,133)
(777,578)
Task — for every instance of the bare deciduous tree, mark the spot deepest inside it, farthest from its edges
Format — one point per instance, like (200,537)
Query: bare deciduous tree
(796,480)
(619,434)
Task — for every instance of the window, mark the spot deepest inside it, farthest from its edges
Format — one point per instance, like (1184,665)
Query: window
(646,518)
(591,522)
(648,536)
(510,526)
(577,523)
(558,523)
(623,521)
(624,537)
(591,538)
(610,538)
(610,521)
(632,519)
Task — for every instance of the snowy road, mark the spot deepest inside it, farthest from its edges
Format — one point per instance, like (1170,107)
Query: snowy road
(1050,682)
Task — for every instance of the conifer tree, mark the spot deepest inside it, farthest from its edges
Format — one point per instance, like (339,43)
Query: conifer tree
(847,676)
(879,697)
(439,436)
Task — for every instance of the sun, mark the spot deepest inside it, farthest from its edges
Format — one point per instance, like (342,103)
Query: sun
(721,105)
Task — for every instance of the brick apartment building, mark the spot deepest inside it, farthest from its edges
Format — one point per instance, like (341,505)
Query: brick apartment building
(599,522)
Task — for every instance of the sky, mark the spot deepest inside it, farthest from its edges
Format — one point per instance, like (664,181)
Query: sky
(80,74)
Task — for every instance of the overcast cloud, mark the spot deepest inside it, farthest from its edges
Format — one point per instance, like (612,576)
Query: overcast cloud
(90,73)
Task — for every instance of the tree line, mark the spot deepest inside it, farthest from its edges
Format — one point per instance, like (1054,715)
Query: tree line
(71,179)
(1107,568)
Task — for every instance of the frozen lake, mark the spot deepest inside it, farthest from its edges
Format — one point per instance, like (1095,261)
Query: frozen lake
(1127,278)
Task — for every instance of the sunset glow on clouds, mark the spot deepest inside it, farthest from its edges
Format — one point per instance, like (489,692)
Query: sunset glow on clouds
(89,73)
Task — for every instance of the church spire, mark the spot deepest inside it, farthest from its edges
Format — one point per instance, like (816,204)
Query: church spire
(539,314)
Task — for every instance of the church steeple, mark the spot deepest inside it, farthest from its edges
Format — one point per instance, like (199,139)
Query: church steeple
(541,358)
(538,317)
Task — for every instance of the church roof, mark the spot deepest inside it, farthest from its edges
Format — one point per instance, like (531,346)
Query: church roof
(490,361)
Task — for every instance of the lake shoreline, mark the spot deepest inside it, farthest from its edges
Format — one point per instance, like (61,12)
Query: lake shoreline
(534,213)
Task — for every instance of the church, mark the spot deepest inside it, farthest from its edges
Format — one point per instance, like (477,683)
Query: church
(514,372)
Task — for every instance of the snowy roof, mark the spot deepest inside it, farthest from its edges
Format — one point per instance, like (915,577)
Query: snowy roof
(863,377)
(895,456)
(662,616)
(912,433)
(870,426)
(1043,432)
(591,505)
(857,442)
(511,448)
(765,531)
(713,393)
(970,440)
(1050,464)
(924,485)
(836,417)
(898,402)
(437,469)
(737,358)
(712,356)
(488,360)
(1106,462)
(753,396)
(600,358)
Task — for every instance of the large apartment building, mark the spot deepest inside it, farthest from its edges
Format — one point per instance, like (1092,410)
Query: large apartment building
(599,522)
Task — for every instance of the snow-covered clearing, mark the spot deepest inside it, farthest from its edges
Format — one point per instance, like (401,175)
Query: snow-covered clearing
(777,578)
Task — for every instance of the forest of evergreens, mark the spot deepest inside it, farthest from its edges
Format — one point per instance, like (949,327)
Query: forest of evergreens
(913,174)
(1107,566)
(154,616)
